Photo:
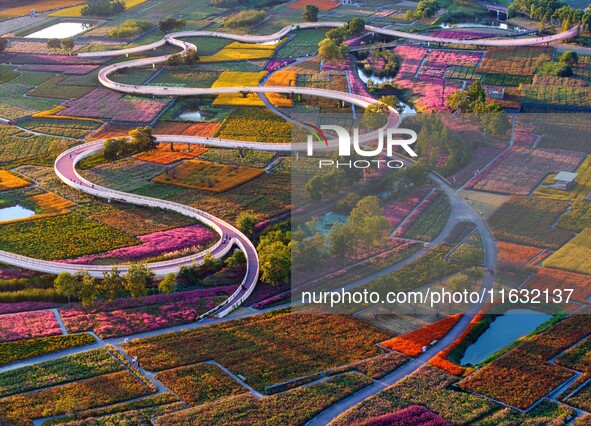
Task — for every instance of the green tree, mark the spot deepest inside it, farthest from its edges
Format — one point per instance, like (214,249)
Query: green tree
(275,262)
(315,187)
(112,284)
(356,26)
(136,280)
(338,35)
(3,44)
(66,285)
(309,254)
(171,24)
(143,139)
(328,50)
(570,57)
(375,116)
(89,288)
(54,43)
(246,222)
(68,44)
(474,274)
(310,13)
(168,284)
(237,259)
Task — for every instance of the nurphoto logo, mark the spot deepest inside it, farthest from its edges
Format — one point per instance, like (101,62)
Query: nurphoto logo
(346,140)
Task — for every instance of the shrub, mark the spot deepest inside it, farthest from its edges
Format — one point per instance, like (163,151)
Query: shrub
(244,18)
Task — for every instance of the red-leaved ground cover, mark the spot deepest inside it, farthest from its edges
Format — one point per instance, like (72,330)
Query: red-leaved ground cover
(412,343)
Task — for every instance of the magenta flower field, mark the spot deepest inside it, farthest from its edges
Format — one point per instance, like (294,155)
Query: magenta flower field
(156,244)
(107,104)
(425,80)
(128,316)
(518,170)
(27,325)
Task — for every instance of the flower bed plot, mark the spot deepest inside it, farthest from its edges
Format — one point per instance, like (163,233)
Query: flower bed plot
(396,211)
(200,383)
(63,370)
(255,125)
(320,4)
(266,349)
(294,407)
(237,51)
(237,78)
(521,60)
(519,169)
(122,385)
(28,325)
(163,155)
(413,415)
(23,349)
(150,313)
(155,244)
(556,279)
(412,343)
(528,221)
(61,237)
(104,103)
(9,181)
(574,256)
(206,176)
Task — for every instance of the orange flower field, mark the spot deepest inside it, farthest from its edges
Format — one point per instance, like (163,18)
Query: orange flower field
(516,254)
(412,343)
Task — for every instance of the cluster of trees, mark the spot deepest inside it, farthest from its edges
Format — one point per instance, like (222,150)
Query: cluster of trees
(131,28)
(310,13)
(189,58)
(425,9)
(246,222)
(64,43)
(563,68)
(103,8)
(391,66)
(244,18)
(331,48)
(376,115)
(139,140)
(364,229)
(87,289)
(3,44)
(473,100)
(171,24)
(551,11)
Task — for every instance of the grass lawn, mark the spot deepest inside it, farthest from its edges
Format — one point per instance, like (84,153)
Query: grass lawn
(206,176)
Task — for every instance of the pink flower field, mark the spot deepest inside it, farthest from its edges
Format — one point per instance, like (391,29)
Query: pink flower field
(128,316)
(275,64)
(156,244)
(438,60)
(457,35)
(9,308)
(396,211)
(107,104)
(518,170)
(27,325)
(426,82)
(358,87)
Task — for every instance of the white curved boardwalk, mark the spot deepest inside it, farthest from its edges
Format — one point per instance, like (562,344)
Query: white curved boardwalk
(173,38)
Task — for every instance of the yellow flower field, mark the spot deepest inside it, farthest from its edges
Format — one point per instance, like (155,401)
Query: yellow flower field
(39,6)
(76,10)
(51,113)
(51,204)
(9,181)
(281,78)
(574,256)
(237,51)
(206,176)
(238,78)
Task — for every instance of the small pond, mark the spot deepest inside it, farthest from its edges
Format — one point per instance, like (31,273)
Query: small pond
(503,331)
(15,212)
(194,115)
(381,80)
(61,30)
